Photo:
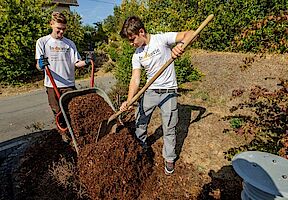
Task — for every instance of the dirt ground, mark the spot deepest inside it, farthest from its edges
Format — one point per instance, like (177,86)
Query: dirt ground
(202,172)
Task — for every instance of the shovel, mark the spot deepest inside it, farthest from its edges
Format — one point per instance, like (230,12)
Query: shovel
(106,125)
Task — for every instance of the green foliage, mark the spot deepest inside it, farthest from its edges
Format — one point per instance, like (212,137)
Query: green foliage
(123,64)
(185,72)
(112,24)
(95,36)
(266,123)
(248,26)
(267,34)
(234,18)
(236,122)
(112,51)
(75,30)
(21,23)
(169,16)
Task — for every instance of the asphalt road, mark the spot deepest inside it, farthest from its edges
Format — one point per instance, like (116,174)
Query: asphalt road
(29,112)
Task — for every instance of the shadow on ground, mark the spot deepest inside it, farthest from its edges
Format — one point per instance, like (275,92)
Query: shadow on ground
(182,128)
(10,152)
(225,184)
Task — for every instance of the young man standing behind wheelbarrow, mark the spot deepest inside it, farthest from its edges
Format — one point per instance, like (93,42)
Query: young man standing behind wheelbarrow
(152,52)
(61,56)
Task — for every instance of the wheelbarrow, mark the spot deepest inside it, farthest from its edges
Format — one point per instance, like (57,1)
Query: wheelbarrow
(68,96)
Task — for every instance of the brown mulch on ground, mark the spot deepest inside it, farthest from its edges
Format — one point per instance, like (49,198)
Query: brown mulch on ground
(31,177)
(114,168)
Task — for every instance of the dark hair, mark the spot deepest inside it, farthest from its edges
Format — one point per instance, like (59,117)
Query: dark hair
(131,26)
(59,18)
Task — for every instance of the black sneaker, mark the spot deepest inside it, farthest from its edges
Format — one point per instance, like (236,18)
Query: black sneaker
(169,168)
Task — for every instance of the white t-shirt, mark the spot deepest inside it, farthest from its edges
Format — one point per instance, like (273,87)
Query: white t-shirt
(153,56)
(62,55)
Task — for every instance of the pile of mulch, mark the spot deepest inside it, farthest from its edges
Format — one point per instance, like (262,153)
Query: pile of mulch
(114,168)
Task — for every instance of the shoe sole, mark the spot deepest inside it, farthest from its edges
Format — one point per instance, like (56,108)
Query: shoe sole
(168,172)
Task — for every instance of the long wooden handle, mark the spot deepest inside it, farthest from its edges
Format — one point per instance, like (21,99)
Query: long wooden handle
(193,36)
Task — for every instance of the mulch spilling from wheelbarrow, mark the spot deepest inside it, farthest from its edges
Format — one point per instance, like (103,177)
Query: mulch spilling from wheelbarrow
(116,166)
(113,168)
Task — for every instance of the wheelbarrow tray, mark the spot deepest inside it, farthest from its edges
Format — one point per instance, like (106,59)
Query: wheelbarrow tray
(68,96)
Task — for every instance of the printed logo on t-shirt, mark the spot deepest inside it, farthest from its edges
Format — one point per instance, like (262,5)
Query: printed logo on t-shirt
(149,55)
(57,53)
(59,49)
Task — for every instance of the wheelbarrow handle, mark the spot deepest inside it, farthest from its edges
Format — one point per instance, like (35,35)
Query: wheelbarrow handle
(189,40)
(58,115)
(92,74)
(48,72)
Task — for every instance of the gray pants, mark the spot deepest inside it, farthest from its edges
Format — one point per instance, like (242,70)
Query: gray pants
(167,102)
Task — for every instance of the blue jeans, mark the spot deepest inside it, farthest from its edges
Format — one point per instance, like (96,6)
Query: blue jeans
(167,102)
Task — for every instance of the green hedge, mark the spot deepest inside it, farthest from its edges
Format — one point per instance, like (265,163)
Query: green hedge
(21,22)
(239,25)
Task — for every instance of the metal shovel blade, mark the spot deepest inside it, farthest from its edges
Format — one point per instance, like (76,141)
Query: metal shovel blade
(105,128)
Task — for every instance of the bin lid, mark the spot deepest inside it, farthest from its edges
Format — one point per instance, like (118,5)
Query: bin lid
(265,171)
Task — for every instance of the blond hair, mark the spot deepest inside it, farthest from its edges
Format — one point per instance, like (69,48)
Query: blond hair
(59,17)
